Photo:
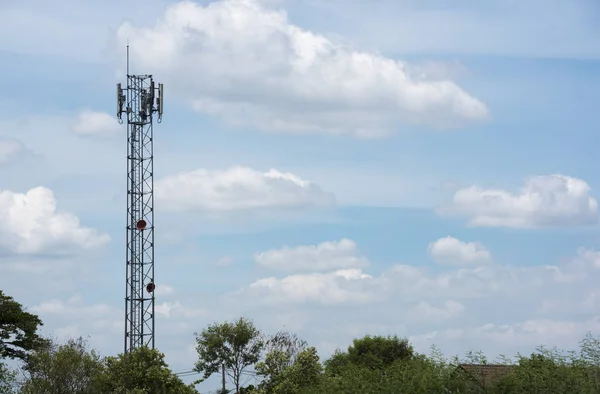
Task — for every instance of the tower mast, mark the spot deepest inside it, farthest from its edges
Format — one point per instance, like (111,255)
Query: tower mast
(139,102)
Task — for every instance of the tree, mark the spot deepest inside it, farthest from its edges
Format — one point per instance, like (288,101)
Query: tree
(375,352)
(8,380)
(379,352)
(304,373)
(247,390)
(67,369)
(287,343)
(18,329)
(550,371)
(234,345)
(281,352)
(337,363)
(415,374)
(141,371)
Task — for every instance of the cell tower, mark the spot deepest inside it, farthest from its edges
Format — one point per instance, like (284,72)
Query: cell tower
(142,99)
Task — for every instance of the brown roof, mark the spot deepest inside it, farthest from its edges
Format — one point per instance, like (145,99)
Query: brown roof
(487,374)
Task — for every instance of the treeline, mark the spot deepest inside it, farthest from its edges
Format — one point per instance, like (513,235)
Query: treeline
(282,363)
(376,364)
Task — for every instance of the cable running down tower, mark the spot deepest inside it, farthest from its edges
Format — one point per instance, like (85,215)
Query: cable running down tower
(139,102)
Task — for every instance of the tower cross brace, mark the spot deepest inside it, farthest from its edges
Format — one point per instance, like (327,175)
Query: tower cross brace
(139,102)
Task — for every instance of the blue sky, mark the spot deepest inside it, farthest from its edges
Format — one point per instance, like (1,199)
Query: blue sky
(517,81)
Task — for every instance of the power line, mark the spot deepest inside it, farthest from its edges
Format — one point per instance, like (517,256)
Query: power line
(193,372)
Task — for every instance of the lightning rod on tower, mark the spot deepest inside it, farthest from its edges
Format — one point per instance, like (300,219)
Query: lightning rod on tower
(140,102)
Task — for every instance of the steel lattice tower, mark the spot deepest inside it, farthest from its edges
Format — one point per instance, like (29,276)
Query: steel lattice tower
(142,100)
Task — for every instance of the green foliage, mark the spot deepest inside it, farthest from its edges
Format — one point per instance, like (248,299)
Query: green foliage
(18,329)
(337,363)
(287,343)
(67,369)
(141,371)
(590,350)
(272,368)
(476,358)
(552,372)
(248,390)
(304,373)
(235,345)
(282,350)
(376,352)
(8,380)
(415,374)
(371,365)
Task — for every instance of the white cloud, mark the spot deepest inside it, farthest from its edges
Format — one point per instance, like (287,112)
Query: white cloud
(248,64)
(31,223)
(103,322)
(408,285)
(163,290)
(71,318)
(544,201)
(83,319)
(9,150)
(498,308)
(325,256)
(509,339)
(73,305)
(340,286)
(176,309)
(452,251)
(28,266)
(391,27)
(92,123)
(238,188)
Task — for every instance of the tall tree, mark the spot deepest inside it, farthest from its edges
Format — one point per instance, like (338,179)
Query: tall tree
(18,329)
(141,371)
(287,343)
(281,351)
(70,368)
(235,345)
(304,373)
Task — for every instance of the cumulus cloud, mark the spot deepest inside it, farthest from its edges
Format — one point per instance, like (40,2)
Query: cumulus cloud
(325,288)
(325,256)
(248,64)
(498,308)
(31,223)
(92,123)
(452,251)
(409,285)
(544,201)
(238,188)
(9,150)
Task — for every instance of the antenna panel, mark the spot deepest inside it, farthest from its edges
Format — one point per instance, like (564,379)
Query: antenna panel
(160,99)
